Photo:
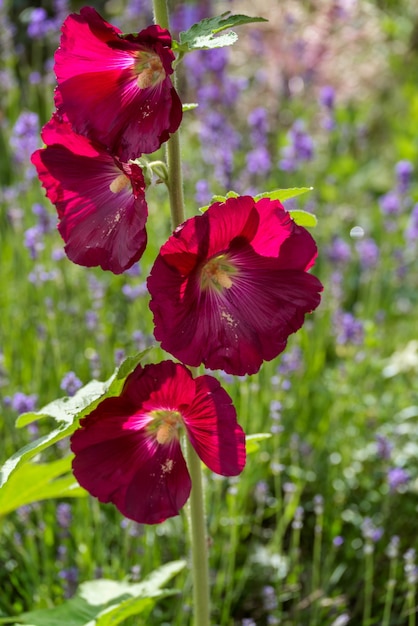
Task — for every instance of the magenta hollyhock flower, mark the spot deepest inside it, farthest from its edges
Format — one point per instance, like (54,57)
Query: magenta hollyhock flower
(128,452)
(100,200)
(117,88)
(230,285)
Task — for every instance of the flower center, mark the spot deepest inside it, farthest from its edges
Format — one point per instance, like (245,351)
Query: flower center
(165,425)
(217,273)
(148,69)
(119,183)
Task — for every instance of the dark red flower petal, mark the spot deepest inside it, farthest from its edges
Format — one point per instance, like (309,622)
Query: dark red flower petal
(212,426)
(127,451)
(100,201)
(117,90)
(230,286)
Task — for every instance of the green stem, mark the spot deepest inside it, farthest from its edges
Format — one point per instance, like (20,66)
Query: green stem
(197,521)
(200,568)
(173,154)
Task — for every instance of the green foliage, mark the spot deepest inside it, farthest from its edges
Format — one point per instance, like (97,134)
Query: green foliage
(205,34)
(106,602)
(67,412)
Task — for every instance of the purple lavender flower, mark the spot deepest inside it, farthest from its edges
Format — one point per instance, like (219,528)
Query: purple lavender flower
(119,356)
(70,576)
(202,195)
(338,541)
(133,292)
(348,329)
(411,233)
(390,203)
(64,515)
(297,523)
(371,532)
(383,447)
(397,477)
(92,319)
(70,384)
(299,149)
(39,25)
(327,97)
(258,161)
(33,241)
(269,598)
(368,252)
(393,547)
(46,221)
(290,361)
(22,403)
(25,136)
(403,170)
(339,252)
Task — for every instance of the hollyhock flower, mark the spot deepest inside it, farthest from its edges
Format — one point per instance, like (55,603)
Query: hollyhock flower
(231,285)
(128,452)
(100,200)
(117,88)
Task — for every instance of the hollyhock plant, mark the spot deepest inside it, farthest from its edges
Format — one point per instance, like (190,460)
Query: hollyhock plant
(231,285)
(100,200)
(127,451)
(116,88)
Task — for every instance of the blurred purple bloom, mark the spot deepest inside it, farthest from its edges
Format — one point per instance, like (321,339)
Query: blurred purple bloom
(368,252)
(25,136)
(119,356)
(397,477)
(384,447)
(299,149)
(64,515)
(338,541)
(39,25)
(348,329)
(390,203)
(339,252)
(403,170)
(269,598)
(34,241)
(202,195)
(393,547)
(371,532)
(290,361)
(46,221)
(22,403)
(70,383)
(258,161)
(91,319)
(327,97)
(132,292)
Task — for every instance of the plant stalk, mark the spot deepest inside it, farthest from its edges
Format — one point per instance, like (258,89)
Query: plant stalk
(197,521)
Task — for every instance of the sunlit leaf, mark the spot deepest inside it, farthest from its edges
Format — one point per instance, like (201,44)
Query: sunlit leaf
(32,482)
(67,412)
(283,194)
(303,218)
(205,34)
(252,442)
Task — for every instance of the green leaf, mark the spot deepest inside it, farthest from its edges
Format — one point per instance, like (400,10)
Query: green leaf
(67,412)
(32,482)
(283,194)
(303,218)
(252,441)
(205,34)
(189,106)
(105,602)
